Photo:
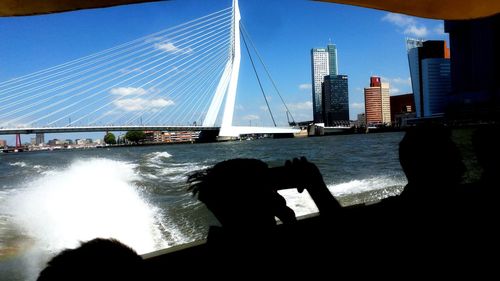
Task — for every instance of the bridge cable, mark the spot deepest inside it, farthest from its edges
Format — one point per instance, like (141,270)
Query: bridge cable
(258,79)
(266,69)
(116,84)
(78,74)
(120,98)
(44,71)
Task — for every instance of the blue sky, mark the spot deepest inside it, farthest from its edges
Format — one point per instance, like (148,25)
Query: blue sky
(369,42)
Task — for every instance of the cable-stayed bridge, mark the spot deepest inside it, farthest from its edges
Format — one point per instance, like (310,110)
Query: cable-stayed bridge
(181,78)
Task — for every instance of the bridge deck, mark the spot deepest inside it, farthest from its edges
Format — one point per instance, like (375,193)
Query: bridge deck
(80,129)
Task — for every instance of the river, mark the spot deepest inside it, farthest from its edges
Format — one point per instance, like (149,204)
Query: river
(50,200)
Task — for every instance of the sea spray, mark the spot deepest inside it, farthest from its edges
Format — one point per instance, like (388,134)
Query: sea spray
(90,198)
(367,190)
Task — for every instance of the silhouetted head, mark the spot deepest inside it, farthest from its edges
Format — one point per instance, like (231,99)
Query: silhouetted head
(429,156)
(240,194)
(97,259)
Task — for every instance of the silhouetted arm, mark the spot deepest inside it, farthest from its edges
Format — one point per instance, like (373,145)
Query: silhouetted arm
(307,176)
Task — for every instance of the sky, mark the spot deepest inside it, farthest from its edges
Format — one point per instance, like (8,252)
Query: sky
(369,42)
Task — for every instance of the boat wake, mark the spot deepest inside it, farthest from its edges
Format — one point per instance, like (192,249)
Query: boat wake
(89,199)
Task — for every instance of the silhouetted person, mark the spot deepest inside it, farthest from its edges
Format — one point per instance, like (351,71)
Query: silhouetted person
(97,259)
(242,194)
(432,164)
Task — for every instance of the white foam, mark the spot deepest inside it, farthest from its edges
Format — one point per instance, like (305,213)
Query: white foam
(19,164)
(91,198)
(156,158)
(359,186)
(179,172)
(302,203)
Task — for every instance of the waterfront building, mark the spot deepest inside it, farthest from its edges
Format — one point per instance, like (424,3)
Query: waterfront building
(475,60)
(377,102)
(361,120)
(323,63)
(332,59)
(55,142)
(429,63)
(3,143)
(402,109)
(320,68)
(184,136)
(335,100)
(40,139)
(154,136)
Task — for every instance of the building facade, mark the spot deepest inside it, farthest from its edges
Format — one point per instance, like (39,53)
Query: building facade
(475,71)
(402,109)
(332,59)
(436,86)
(335,100)
(3,143)
(377,103)
(320,69)
(40,139)
(323,63)
(430,76)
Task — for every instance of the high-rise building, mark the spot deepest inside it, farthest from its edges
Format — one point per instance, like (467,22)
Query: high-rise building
(320,69)
(39,138)
(429,63)
(475,71)
(377,102)
(335,100)
(332,59)
(323,63)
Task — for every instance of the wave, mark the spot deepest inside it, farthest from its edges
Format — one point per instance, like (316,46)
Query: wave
(19,164)
(90,198)
(348,193)
(157,158)
(366,185)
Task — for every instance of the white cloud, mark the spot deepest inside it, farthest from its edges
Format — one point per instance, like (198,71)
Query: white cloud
(128,91)
(394,91)
(399,20)
(250,117)
(419,32)
(136,104)
(167,47)
(357,105)
(398,80)
(306,105)
(409,24)
(170,48)
(305,86)
(263,107)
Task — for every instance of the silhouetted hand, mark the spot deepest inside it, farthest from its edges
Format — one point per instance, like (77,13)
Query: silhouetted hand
(306,175)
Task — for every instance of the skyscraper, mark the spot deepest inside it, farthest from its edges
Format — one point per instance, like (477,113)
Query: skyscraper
(335,100)
(323,63)
(377,102)
(320,69)
(332,59)
(430,76)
